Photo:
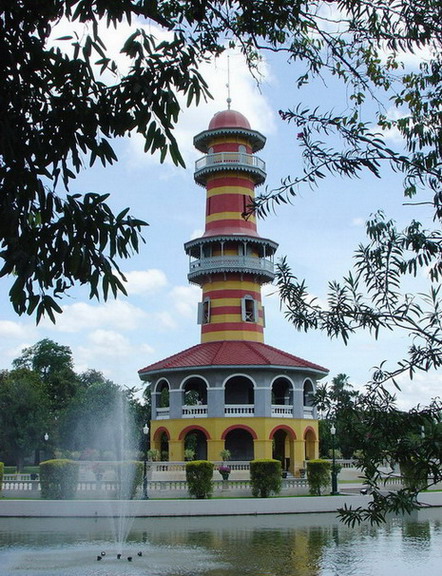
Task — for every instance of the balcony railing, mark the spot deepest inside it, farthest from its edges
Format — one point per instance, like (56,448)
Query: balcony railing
(163,413)
(243,410)
(229,160)
(240,263)
(197,411)
(282,411)
(308,411)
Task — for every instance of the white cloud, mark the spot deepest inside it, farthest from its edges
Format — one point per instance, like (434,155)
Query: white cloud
(185,299)
(15,331)
(145,281)
(358,222)
(117,314)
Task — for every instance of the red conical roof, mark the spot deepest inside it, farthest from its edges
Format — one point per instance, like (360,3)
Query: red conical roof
(232,353)
(229,119)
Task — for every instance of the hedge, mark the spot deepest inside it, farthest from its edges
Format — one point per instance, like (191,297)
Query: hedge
(59,479)
(130,476)
(318,475)
(199,475)
(265,477)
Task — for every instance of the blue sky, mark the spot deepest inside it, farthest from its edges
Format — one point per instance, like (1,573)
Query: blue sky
(318,233)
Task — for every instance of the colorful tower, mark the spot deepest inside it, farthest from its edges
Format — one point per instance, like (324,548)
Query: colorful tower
(230,261)
(232,391)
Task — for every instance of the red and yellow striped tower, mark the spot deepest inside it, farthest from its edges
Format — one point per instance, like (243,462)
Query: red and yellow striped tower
(230,261)
(232,392)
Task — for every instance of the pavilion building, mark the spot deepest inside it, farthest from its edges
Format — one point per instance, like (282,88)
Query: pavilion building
(232,391)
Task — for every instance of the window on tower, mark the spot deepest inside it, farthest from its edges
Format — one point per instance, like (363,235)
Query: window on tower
(204,311)
(249,309)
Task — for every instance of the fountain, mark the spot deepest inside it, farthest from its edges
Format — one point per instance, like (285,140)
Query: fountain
(284,545)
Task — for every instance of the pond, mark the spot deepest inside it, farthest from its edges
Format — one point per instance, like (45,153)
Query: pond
(284,545)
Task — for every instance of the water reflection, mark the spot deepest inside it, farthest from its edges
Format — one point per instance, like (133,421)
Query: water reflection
(292,545)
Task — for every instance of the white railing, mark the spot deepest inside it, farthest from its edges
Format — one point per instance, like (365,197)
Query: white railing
(243,410)
(163,413)
(237,262)
(308,412)
(282,411)
(230,158)
(197,411)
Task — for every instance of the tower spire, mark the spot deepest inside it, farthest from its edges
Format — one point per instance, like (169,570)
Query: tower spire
(229,99)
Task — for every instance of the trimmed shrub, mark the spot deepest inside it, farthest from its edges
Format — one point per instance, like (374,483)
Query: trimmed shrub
(414,476)
(129,476)
(318,475)
(2,470)
(199,478)
(59,479)
(265,477)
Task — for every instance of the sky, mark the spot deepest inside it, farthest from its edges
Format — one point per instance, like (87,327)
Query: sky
(318,234)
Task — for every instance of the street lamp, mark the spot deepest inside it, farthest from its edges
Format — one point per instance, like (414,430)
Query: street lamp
(334,478)
(145,432)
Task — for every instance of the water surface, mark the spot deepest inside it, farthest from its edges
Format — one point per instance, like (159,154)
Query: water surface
(289,545)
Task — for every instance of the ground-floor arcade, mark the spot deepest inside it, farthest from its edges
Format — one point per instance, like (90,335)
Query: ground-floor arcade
(292,441)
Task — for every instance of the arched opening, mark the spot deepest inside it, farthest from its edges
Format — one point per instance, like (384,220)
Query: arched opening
(162,398)
(239,443)
(195,391)
(282,398)
(195,442)
(239,391)
(309,393)
(310,444)
(280,449)
(164,447)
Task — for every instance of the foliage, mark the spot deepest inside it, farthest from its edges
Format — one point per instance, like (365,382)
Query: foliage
(386,438)
(189,454)
(199,478)
(59,479)
(54,365)
(265,477)
(24,411)
(225,455)
(333,401)
(318,475)
(129,476)
(63,99)
(154,455)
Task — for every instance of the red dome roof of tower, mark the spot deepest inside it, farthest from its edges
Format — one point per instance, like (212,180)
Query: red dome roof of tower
(229,119)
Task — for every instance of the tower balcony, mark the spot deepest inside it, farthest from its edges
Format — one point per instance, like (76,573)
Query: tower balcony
(243,264)
(220,161)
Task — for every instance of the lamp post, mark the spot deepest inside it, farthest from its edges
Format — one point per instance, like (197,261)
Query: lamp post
(145,432)
(334,479)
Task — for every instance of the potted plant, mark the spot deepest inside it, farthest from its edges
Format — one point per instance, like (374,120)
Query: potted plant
(225,455)
(189,454)
(224,471)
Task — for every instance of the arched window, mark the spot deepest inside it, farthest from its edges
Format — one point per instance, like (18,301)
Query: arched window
(308,393)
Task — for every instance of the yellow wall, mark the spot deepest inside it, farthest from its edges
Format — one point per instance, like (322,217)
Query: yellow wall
(214,428)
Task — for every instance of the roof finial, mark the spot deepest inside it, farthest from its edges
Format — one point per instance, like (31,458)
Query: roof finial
(229,100)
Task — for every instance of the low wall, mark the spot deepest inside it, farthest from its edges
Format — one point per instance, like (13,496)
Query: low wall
(171,508)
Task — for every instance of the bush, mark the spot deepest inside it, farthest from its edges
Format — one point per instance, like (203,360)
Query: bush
(199,478)
(129,476)
(265,477)
(59,479)
(414,476)
(318,475)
